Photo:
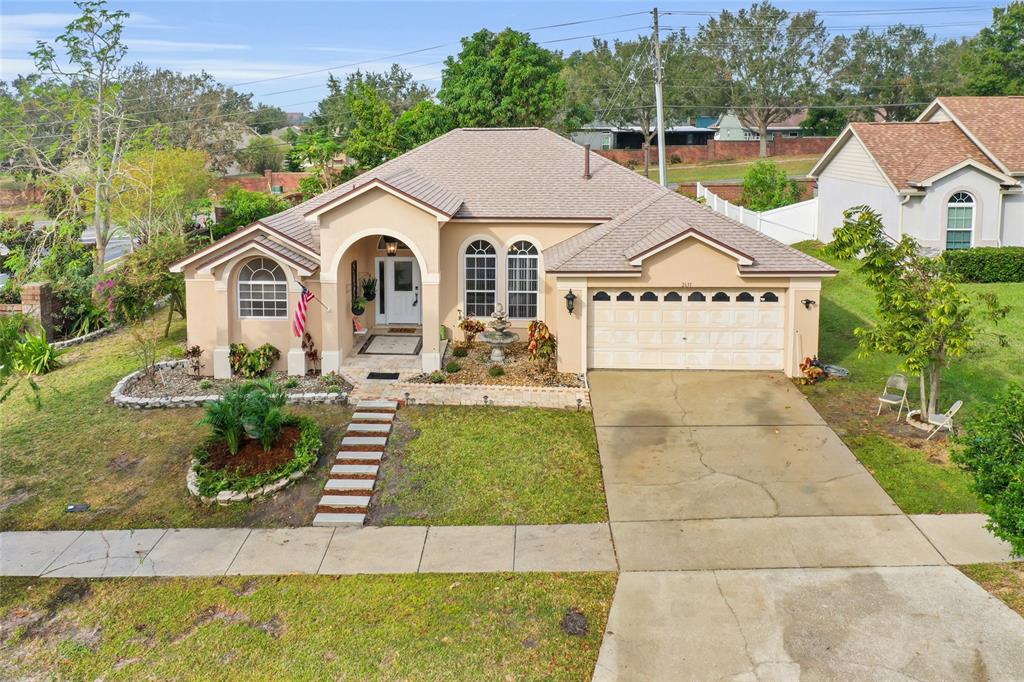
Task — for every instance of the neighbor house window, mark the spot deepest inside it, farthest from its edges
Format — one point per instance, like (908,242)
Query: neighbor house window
(959,221)
(481,278)
(262,289)
(522,264)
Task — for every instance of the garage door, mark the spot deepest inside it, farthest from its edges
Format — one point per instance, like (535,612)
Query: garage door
(686,329)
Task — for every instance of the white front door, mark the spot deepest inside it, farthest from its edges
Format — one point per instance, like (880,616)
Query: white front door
(399,300)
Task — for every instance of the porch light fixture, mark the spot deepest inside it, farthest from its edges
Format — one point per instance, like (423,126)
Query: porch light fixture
(808,303)
(570,301)
(391,247)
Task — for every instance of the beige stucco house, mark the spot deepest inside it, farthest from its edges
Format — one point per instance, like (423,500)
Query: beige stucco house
(952,179)
(519,217)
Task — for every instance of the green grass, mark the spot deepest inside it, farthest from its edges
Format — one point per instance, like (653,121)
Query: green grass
(729,170)
(487,465)
(437,627)
(911,475)
(1005,581)
(128,465)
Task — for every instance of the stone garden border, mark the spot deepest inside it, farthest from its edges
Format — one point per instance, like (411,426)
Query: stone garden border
(474,394)
(136,403)
(225,497)
(85,338)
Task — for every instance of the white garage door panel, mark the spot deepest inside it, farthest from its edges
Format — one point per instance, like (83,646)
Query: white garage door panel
(686,335)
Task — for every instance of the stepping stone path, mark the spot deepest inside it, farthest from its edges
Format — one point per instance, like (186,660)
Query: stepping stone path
(350,486)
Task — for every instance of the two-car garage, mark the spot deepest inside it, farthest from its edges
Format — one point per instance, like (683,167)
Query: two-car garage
(662,328)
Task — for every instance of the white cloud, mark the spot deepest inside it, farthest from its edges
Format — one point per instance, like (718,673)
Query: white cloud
(150,45)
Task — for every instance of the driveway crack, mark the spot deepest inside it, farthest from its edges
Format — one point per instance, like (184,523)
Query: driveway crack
(762,486)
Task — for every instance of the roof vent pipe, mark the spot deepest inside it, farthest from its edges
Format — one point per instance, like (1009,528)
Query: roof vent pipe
(586,162)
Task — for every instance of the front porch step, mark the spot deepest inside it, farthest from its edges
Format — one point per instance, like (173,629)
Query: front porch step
(360,455)
(344,500)
(345,469)
(366,429)
(376,406)
(374,417)
(328,519)
(363,442)
(334,484)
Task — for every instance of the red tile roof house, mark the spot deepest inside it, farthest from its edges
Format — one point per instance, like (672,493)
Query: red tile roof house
(451,228)
(952,179)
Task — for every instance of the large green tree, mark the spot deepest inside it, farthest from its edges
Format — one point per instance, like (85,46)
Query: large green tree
(335,116)
(773,61)
(504,79)
(265,119)
(993,63)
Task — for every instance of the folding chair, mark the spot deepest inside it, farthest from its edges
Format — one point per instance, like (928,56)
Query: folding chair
(944,420)
(894,393)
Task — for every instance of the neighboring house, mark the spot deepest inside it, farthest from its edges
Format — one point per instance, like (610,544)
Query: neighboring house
(602,136)
(951,179)
(519,217)
(729,128)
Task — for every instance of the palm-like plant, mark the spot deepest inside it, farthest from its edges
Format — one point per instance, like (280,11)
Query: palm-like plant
(225,418)
(263,414)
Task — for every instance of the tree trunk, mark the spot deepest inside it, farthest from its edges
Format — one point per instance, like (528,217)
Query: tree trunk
(933,394)
(97,227)
(647,159)
(762,130)
(923,398)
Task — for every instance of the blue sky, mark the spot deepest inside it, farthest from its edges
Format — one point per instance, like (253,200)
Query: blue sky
(241,42)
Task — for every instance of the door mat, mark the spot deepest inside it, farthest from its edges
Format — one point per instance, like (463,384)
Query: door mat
(392,345)
(390,376)
(403,330)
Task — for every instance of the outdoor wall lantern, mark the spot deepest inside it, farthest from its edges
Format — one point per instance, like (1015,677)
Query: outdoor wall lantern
(391,246)
(570,301)
(808,303)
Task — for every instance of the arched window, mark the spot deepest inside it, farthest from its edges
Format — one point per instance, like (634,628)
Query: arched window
(673,296)
(744,297)
(481,278)
(522,267)
(769,297)
(696,296)
(959,221)
(720,297)
(262,289)
(624,296)
(601,296)
(648,296)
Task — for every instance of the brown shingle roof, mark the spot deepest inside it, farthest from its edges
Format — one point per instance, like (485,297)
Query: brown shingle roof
(997,122)
(912,152)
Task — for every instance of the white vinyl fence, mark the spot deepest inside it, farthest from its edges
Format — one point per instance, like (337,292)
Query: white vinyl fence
(789,224)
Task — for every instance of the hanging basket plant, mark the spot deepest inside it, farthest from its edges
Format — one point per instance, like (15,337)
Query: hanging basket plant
(358,305)
(369,287)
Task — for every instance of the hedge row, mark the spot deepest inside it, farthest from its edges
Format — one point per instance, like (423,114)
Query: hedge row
(987,264)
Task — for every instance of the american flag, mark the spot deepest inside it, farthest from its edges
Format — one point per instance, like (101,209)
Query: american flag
(299,324)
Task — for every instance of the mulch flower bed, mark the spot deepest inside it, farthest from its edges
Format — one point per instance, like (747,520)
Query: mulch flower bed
(178,381)
(252,459)
(520,370)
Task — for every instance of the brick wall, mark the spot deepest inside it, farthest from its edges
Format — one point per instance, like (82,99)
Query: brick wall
(732,190)
(36,302)
(13,198)
(723,150)
(288,181)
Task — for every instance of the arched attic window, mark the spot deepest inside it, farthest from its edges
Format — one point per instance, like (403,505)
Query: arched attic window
(262,289)
(481,271)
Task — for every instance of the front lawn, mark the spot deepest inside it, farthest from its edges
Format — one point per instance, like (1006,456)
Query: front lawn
(128,465)
(730,170)
(490,465)
(918,477)
(1005,581)
(410,627)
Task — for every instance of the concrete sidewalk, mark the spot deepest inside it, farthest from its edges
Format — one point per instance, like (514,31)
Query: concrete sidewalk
(325,551)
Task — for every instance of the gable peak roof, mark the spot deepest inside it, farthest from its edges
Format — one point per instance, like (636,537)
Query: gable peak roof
(996,123)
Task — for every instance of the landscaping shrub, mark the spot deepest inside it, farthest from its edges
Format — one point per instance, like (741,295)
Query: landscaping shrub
(542,344)
(254,409)
(437,377)
(35,355)
(992,448)
(496,371)
(224,416)
(307,449)
(452,367)
(205,384)
(252,363)
(460,352)
(291,382)
(766,186)
(470,328)
(987,264)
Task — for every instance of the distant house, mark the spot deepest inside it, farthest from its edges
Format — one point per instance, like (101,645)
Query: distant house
(728,127)
(604,136)
(952,179)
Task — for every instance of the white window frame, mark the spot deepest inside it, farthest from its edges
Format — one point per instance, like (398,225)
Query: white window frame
(951,203)
(276,286)
(464,263)
(537,292)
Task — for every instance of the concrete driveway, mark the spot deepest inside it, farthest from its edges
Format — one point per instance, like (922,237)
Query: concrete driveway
(754,546)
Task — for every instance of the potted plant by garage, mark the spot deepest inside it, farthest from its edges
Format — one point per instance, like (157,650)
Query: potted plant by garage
(358,305)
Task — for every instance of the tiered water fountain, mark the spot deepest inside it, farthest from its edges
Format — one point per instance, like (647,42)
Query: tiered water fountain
(499,337)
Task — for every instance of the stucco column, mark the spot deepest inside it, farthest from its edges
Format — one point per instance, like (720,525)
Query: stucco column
(330,354)
(571,329)
(296,356)
(430,355)
(222,315)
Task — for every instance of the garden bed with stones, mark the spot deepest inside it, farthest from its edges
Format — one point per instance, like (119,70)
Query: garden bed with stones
(173,385)
(518,368)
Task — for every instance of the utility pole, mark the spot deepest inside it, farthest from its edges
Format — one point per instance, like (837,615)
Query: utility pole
(659,103)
